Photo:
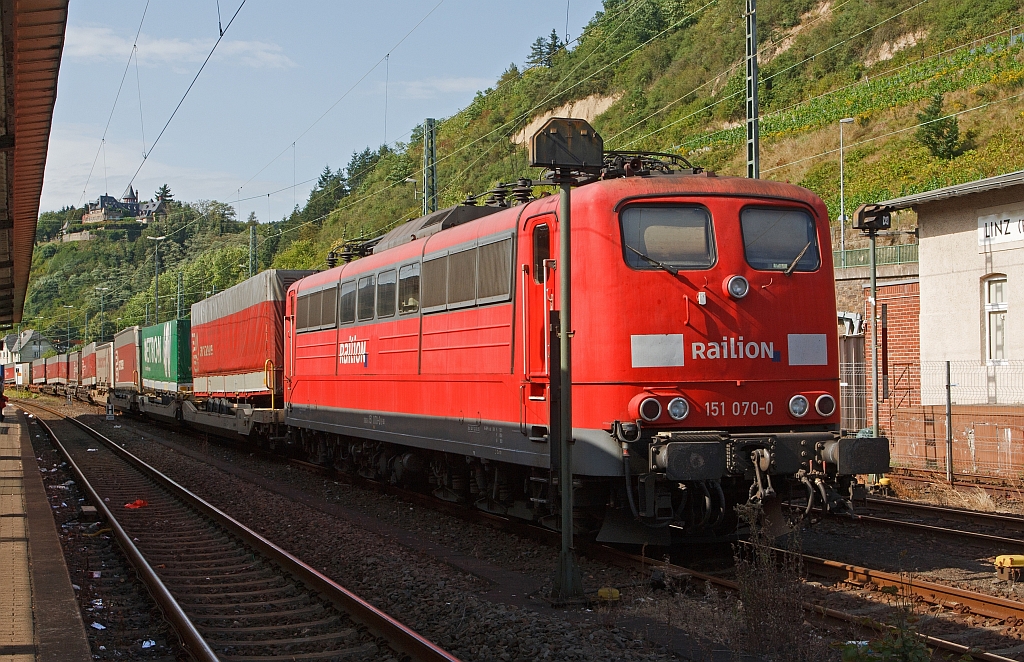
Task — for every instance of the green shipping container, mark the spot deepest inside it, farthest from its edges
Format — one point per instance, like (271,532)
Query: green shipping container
(167,356)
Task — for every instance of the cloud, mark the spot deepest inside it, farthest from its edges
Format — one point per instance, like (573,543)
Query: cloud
(71,152)
(430,88)
(93,44)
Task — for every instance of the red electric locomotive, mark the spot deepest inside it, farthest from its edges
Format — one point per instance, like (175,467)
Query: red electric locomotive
(705,355)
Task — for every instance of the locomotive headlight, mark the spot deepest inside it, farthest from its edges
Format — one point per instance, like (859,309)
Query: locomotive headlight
(678,408)
(825,405)
(737,286)
(650,409)
(798,406)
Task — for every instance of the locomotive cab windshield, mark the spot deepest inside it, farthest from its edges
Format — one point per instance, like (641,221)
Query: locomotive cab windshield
(676,237)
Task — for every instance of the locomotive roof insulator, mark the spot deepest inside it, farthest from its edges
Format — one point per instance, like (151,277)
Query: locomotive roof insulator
(470,200)
(497,196)
(522,192)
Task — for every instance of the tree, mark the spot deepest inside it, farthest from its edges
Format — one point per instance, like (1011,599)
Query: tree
(941,134)
(164,193)
(542,52)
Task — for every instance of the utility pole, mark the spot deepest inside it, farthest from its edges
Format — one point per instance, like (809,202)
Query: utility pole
(842,194)
(753,112)
(103,316)
(181,298)
(429,166)
(156,282)
(252,249)
(67,349)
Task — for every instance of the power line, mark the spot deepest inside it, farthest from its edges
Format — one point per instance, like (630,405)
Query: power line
(116,97)
(778,73)
(897,131)
(346,93)
(145,156)
(862,81)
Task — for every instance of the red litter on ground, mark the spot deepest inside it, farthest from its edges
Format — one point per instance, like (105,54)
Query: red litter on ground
(138,503)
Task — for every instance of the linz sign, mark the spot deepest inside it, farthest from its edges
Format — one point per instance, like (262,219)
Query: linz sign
(1000,227)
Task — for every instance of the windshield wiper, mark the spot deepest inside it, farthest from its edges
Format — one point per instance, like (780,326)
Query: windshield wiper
(799,256)
(671,270)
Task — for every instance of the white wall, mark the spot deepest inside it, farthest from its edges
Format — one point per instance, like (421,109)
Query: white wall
(952,269)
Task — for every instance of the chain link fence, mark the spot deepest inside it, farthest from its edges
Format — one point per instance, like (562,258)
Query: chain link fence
(984,424)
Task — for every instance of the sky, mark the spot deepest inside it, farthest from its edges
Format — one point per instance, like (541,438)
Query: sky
(316,75)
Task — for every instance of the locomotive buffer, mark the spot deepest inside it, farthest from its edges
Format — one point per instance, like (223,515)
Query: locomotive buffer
(570,148)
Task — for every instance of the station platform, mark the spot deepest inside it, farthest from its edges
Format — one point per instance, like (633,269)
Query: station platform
(39,615)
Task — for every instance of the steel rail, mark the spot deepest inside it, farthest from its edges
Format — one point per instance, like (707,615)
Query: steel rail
(973,536)
(965,601)
(402,638)
(190,638)
(600,552)
(948,512)
(624,559)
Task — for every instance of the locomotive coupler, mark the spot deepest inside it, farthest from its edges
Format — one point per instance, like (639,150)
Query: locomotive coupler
(762,488)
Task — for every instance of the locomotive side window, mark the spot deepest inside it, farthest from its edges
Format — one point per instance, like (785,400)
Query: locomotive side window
(329,308)
(409,289)
(541,251)
(313,321)
(495,271)
(348,302)
(364,300)
(435,280)
(302,314)
(677,237)
(462,277)
(386,286)
(780,239)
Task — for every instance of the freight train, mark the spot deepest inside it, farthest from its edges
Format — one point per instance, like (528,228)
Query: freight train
(705,374)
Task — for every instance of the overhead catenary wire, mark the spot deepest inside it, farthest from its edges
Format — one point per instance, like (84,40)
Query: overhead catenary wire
(633,7)
(346,93)
(895,132)
(765,79)
(862,81)
(145,156)
(114,105)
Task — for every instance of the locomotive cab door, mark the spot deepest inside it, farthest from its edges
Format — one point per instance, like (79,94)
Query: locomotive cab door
(538,292)
(289,345)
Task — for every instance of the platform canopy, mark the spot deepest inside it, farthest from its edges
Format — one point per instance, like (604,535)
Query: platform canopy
(33,39)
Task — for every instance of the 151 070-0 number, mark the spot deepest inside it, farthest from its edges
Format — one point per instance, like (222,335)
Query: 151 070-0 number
(738,408)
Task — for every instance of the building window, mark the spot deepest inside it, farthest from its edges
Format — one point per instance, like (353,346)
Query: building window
(995,319)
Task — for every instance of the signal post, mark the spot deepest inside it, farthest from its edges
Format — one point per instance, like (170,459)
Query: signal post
(568,148)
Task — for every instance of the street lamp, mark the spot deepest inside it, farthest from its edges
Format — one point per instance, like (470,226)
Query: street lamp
(156,283)
(67,349)
(842,194)
(103,317)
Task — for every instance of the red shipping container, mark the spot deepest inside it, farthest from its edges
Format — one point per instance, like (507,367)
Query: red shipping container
(53,368)
(74,367)
(89,365)
(9,373)
(237,332)
(39,371)
(105,365)
(126,358)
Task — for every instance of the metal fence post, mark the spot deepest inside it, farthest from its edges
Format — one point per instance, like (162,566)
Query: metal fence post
(949,427)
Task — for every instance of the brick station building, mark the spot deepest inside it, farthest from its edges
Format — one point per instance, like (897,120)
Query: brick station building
(965,307)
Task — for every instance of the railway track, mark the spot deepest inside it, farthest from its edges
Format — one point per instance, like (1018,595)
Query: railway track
(977,517)
(942,514)
(229,593)
(961,601)
(994,486)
